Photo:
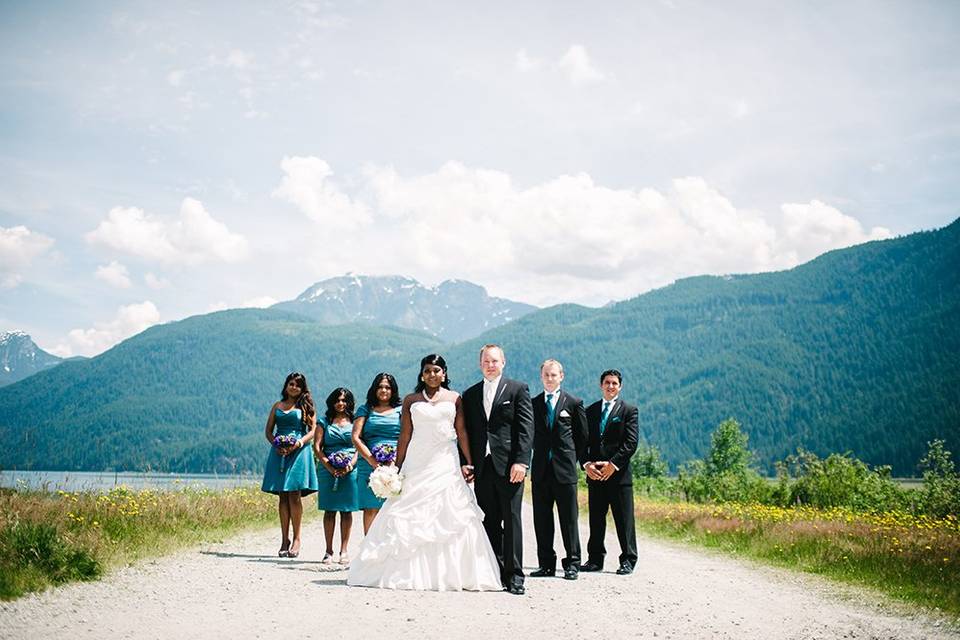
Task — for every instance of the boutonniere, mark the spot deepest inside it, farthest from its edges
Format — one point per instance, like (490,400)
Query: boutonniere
(506,402)
(564,414)
(615,419)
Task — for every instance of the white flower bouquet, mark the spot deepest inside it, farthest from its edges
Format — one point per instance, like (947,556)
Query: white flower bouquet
(386,481)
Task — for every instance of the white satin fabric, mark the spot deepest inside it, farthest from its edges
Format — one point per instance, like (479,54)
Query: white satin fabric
(430,537)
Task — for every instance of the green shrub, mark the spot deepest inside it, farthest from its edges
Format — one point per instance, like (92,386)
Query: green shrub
(839,480)
(649,470)
(940,495)
(725,475)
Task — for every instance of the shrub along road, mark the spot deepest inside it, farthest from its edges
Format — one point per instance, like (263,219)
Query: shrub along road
(238,588)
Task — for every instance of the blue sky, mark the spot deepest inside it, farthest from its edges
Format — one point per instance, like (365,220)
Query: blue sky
(163,160)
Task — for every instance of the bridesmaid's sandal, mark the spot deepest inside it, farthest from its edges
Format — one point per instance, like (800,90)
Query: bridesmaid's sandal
(293,553)
(284,550)
(327,558)
(344,558)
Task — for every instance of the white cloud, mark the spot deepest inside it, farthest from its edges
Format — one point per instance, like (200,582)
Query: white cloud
(238,59)
(577,66)
(261,302)
(307,185)
(19,246)
(192,238)
(155,282)
(175,77)
(219,305)
(129,321)
(569,238)
(524,63)
(810,229)
(114,274)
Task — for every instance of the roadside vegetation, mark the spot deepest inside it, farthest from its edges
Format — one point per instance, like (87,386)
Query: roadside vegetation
(50,538)
(833,516)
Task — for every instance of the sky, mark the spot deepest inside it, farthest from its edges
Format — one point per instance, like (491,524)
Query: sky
(161,160)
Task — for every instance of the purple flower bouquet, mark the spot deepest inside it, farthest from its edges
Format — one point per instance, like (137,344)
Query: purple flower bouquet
(384,453)
(339,460)
(282,442)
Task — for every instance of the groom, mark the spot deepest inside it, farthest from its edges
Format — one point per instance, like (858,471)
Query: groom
(499,420)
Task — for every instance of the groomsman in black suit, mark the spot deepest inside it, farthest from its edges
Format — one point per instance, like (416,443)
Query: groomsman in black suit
(499,421)
(559,448)
(613,435)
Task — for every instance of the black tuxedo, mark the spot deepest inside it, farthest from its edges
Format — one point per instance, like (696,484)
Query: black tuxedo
(509,432)
(558,450)
(617,445)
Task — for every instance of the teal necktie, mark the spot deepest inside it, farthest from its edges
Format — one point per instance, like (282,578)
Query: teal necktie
(603,418)
(550,411)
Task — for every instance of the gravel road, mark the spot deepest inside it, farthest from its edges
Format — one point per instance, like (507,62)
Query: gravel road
(238,588)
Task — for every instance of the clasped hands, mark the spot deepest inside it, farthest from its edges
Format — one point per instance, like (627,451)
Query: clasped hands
(603,470)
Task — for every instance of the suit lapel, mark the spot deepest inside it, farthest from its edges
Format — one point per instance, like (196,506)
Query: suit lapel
(558,407)
(496,396)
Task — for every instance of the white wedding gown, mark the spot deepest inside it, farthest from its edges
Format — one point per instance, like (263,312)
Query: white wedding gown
(431,536)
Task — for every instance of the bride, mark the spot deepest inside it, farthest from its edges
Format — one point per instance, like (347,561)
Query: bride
(431,536)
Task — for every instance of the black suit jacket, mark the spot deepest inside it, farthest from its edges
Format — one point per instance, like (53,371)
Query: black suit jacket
(565,439)
(509,429)
(619,440)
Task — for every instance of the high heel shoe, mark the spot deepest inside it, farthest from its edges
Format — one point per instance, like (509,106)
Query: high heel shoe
(344,558)
(293,554)
(284,550)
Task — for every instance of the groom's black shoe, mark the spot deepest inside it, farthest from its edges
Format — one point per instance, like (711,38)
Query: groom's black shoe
(570,573)
(624,569)
(590,566)
(515,586)
(543,573)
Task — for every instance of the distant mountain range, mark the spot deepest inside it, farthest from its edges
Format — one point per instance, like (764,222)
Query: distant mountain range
(454,310)
(854,351)
(21,357)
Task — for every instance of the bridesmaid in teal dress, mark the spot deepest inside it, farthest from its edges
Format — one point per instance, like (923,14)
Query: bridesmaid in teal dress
(337,492)
(377,422)
(290,471)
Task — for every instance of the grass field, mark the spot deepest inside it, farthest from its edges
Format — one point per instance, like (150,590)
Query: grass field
(52,538)
(912,558)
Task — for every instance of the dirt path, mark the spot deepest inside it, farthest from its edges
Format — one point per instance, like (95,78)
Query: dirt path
(240,589)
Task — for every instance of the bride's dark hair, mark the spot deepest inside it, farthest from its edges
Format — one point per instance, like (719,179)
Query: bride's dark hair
(436,359)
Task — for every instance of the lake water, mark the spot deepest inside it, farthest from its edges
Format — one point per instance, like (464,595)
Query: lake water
(106,480)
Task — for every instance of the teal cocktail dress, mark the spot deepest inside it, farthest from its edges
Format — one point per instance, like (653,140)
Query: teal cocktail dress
(298,471)
(336,494)
(379,428)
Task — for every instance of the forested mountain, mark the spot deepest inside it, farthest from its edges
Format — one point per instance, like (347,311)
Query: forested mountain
(454,310)
(21,357)
(187,396)
(857,350)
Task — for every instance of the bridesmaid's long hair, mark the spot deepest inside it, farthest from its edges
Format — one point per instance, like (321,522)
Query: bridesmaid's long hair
(305,402)
(332,400)
(437,359)
(372,400)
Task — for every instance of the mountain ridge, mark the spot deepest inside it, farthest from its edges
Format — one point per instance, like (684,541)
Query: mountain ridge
(454,310)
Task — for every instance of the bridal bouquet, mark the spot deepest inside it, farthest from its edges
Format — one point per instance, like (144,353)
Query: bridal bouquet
(284,442)
(339,460)
(386,481)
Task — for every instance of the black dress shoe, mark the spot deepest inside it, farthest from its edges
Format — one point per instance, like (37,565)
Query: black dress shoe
(624,569)
(590,566)
(543,573)
(570,573)
(516,589)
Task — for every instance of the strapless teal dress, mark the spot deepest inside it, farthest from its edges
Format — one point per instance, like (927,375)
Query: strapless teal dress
(299,469)
(336,494)
(380,428)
